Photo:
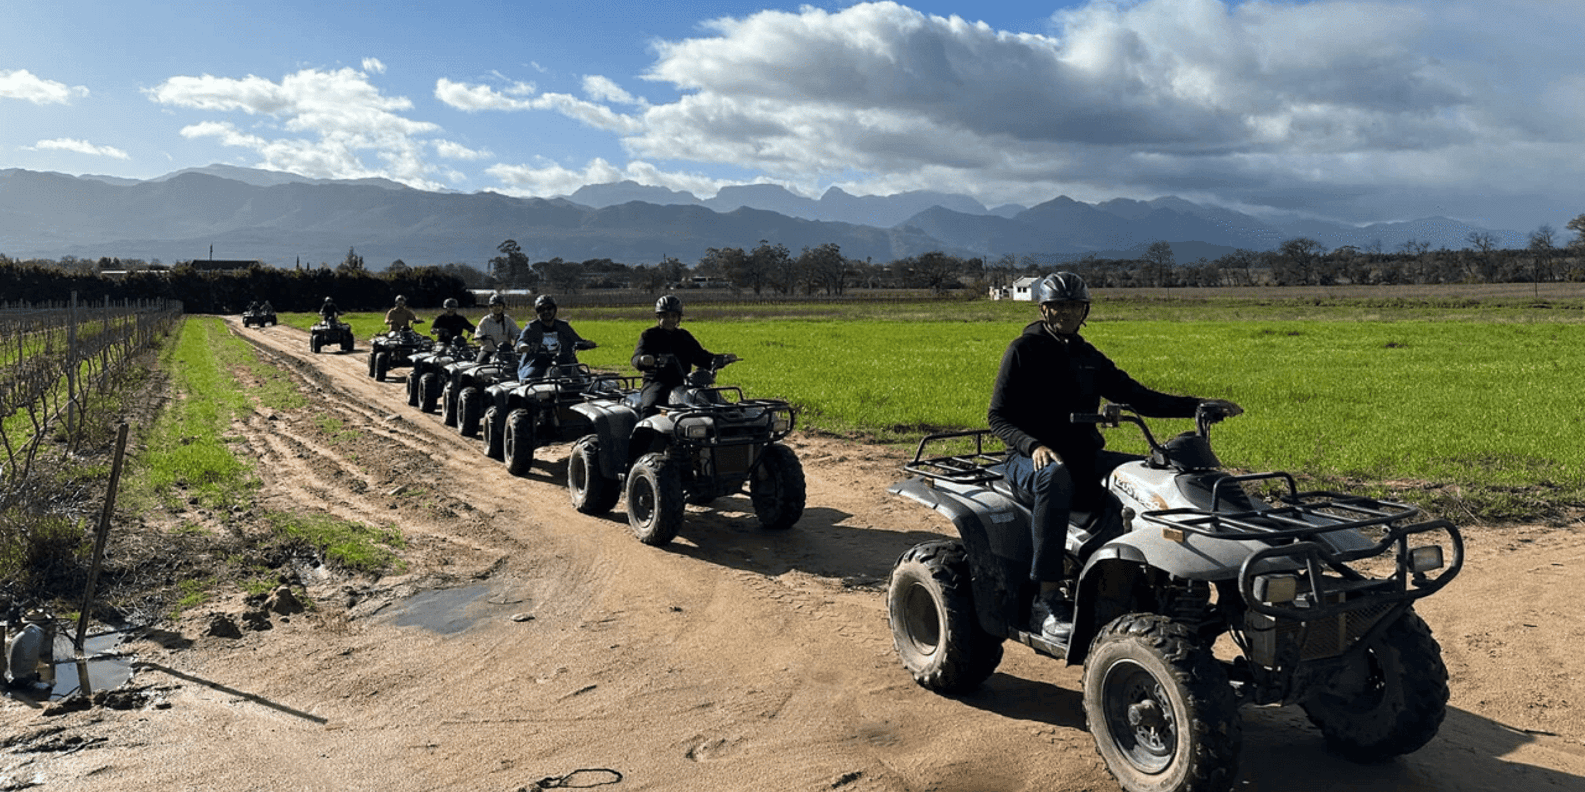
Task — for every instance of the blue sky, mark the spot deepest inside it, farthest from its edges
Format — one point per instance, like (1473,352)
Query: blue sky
(1354,111)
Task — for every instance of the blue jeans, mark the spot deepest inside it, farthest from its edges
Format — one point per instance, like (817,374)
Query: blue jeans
(1049,494)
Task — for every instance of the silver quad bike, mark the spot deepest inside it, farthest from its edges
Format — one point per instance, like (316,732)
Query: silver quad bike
(1193,596)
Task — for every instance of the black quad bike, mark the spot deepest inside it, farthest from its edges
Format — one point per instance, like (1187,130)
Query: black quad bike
(526,415)
(329,332)
(1314,589)
(463,394)
(258,317)
(394,350)
(705,443)
(427,376)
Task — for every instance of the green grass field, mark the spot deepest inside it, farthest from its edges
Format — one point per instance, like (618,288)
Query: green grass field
(1467,399)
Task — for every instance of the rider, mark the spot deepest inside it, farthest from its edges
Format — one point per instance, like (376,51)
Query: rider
(496,329)
(666,353)
(1048,373)
(547,341)
(253,306)
(328,310)
(450,324)
(267,308)
(400,317)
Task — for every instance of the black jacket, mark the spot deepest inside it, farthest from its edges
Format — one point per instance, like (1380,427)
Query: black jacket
(1045,379)
(680,343)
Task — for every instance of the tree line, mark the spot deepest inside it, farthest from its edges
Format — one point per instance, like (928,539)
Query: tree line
(770,268)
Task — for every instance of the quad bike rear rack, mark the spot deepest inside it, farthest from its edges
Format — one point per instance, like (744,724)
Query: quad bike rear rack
(969,468)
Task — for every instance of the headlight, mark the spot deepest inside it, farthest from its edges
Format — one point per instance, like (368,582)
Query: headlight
(1276,589)
(1425,559)
(545,395)
(697,429)
(781,422)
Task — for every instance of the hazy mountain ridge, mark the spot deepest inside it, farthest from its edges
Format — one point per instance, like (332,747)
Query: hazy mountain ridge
(276,217)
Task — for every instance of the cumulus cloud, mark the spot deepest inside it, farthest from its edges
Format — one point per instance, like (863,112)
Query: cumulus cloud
(452,150)
(25,85)
(547,178)
(78,146)
(317,123)
(1241,101)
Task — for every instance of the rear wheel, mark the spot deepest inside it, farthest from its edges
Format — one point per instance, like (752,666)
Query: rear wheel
(518,445)
(930,604)
(777,488)
(1389,701)
(494,429)
(429,392)
(591,491)
(1160,708)
(448,405)
(654,499)
(470,408)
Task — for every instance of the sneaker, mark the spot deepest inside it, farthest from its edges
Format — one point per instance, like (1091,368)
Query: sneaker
(1051,617)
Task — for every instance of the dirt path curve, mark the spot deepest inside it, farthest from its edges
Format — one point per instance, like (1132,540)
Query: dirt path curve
(735,659)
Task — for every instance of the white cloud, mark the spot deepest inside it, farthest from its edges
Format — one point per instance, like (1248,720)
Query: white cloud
(520,96)
(373,66)
(1246,101)
(323,122)
(451,150)
(552,179)
(79,146)
(23,84)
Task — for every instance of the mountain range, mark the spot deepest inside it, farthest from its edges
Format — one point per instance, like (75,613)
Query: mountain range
(282,218)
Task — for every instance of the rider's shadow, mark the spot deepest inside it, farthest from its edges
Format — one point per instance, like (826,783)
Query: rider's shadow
(1027,699)
(726,533)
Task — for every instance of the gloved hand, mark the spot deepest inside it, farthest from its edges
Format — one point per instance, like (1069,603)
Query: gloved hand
(1218,409)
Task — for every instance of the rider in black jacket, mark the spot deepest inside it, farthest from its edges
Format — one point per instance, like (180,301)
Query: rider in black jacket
(1048,373)
(666,353)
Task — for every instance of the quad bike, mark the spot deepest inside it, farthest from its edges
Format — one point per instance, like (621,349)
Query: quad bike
(1315,590)
(427,376)
(706,442)
(329,331)
(259,317)
(462,395)
(393,350)
(527,414)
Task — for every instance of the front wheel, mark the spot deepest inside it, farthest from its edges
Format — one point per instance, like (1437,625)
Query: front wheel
(315,342)
(494,429)
(382,364)
(930,605)
(346,341)
(654,499)
(470,408)
(429,392)
(1389,701)
(448,405)
(591,491)
(413,394)
(518,445)
(1160,708)
(777,488)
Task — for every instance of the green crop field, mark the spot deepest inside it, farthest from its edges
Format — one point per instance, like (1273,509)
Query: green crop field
(1468,399)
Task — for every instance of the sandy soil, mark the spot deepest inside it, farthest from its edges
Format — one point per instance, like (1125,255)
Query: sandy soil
(543,641)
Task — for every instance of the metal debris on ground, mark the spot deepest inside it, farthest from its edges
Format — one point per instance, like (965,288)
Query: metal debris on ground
(578,779)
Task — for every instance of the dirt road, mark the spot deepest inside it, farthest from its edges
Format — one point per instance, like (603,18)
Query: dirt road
(543,641)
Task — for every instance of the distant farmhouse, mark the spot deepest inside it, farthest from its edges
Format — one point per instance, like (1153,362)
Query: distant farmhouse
(1023,288)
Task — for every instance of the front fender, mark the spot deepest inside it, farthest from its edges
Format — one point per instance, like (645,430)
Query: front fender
(612,423)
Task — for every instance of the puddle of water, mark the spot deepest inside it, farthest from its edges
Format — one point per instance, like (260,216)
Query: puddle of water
(69,675)
(447,611)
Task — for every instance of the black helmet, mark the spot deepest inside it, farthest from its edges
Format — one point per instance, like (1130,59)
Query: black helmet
(544,301)
(497,299)
(451,302)
(668,304)
(1061,287)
